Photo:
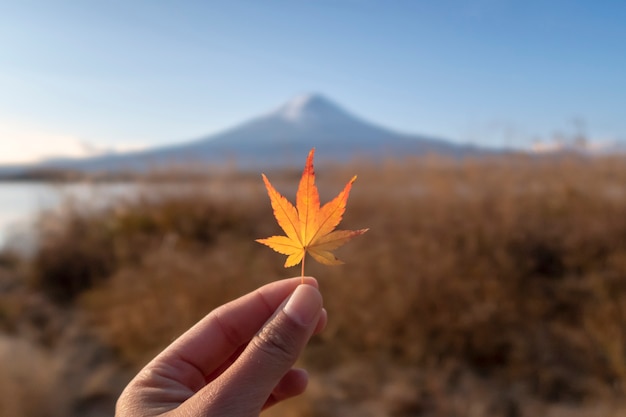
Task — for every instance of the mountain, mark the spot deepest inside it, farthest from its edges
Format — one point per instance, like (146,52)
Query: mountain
(280,138)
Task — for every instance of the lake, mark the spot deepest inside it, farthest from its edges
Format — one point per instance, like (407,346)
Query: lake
(20,202)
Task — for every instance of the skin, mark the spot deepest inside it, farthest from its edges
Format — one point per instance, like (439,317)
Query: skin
(236,361)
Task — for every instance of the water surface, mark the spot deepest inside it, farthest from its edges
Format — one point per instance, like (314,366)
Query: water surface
(21,202)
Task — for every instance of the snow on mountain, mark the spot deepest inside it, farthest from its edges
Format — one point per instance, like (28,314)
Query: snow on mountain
(279,138)
(307,107)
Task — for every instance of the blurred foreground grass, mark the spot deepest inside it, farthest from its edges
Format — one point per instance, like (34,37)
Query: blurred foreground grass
(484,288)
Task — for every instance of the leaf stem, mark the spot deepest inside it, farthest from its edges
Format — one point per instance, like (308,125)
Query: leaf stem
(302,272)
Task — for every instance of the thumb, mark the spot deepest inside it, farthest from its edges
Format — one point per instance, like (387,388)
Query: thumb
(248,383)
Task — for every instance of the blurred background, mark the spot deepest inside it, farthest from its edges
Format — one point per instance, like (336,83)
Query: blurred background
(489,139)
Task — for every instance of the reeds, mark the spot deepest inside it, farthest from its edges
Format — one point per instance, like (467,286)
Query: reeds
(509,273)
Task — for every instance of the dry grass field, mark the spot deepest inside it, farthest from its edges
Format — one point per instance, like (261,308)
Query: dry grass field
(484,288)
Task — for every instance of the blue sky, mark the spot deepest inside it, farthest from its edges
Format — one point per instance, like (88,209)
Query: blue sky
(79,77)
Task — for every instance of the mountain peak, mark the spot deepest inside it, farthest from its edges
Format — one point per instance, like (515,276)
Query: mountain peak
(309,106)
(305,121)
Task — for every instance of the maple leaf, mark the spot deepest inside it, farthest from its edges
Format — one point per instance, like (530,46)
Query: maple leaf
(307,226)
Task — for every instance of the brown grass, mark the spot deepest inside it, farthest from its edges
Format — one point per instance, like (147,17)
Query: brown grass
(493,287)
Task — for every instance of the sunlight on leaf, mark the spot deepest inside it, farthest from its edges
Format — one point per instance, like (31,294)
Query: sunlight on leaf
(307,225)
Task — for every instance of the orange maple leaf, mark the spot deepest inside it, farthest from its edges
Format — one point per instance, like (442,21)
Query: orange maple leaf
(307,226)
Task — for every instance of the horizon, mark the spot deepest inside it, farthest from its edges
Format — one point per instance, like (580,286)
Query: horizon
(81,79)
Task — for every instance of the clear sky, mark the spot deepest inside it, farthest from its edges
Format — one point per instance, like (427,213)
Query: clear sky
(81,76)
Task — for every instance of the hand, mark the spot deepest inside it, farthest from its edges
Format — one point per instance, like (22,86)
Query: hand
(234,362)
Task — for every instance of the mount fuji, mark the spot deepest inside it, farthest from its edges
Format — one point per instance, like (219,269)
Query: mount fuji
(279,138)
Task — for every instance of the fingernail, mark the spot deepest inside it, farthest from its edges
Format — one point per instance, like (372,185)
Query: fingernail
(304,305)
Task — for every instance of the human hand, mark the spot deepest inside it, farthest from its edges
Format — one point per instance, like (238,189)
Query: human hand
(236,361)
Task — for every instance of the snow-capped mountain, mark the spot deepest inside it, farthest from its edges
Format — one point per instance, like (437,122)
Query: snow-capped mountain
(279,138)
